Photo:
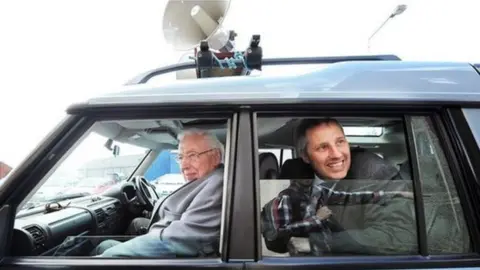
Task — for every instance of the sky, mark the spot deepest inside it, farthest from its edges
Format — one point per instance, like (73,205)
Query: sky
(54,53)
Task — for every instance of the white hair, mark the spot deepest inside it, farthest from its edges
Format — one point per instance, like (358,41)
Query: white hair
(212,140)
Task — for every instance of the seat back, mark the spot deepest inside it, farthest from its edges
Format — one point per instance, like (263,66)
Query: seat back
(405,170)
(268,166)
(296,168)
(366,165)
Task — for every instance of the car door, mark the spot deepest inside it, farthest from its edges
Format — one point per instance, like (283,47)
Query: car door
(63,139)
(443,216)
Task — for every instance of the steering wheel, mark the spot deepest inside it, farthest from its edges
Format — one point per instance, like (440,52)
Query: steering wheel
(146,194)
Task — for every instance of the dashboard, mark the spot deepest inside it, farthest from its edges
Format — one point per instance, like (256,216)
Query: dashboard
(75,229)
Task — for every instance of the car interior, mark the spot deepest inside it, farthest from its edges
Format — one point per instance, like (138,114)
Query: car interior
(382,137)
(75,227)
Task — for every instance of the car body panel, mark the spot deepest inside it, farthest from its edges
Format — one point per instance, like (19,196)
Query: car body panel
(376,81)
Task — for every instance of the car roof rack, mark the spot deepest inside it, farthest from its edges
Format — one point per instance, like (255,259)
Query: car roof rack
(220,64)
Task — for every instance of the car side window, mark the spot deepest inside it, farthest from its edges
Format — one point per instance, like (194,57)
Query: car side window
(349,190)
(93,167)
(446,228)
(112,194)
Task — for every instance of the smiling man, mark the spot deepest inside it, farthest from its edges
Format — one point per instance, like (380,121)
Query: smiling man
(322,144)
(379,229)
(327,158)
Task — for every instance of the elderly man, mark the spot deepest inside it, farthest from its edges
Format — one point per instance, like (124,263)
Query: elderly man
(372,229)
(187,223)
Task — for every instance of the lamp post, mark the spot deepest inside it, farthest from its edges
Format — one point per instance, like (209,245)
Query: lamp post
(397,11)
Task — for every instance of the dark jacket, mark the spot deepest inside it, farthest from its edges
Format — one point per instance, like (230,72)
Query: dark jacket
(370,228)
(374,229)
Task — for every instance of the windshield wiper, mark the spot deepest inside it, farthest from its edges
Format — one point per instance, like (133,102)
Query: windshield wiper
(67,197)
(58,199)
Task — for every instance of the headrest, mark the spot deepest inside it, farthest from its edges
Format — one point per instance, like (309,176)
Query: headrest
(296,169)
(268,166)
(368,165)
(405,170)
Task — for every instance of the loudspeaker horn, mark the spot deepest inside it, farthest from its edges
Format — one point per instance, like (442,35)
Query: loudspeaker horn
(187,22)
(187,73)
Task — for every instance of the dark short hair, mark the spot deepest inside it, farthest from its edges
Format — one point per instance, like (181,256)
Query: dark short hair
(307,124)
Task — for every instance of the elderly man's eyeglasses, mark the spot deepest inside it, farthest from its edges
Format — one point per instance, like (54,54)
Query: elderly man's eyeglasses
(192,157)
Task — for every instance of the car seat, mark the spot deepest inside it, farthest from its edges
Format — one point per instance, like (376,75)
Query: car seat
(296,168)
(268,166)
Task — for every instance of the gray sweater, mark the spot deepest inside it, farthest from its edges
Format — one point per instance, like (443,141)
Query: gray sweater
(191,216)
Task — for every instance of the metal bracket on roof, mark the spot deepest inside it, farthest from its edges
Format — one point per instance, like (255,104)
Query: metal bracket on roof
(254,55)
(221,64)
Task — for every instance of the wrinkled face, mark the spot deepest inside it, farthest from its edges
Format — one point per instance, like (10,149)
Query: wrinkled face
(328,151)
(196,157)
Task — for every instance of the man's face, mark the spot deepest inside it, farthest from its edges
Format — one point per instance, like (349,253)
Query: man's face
(328,151)
(197,158)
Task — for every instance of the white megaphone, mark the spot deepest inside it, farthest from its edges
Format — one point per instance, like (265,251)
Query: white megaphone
(187,22)
(188,73)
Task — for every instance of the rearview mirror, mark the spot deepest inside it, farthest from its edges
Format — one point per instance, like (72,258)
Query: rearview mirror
(116,150)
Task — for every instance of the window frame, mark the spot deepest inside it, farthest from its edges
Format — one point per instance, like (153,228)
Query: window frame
(62,140)
(436,115)
(422,239)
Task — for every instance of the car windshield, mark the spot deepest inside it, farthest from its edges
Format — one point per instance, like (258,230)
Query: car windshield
(58,181)
(93,182)
(93,167)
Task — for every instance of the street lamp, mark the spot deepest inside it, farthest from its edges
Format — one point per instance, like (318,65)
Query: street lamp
(398,10)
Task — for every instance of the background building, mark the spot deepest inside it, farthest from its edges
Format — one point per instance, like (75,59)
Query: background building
(124,165)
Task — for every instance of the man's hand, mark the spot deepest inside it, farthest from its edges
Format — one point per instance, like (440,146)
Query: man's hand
(405,194)
(300,245)
(324,212)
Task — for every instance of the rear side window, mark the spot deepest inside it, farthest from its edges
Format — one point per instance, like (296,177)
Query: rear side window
(357,224)
(445,223)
